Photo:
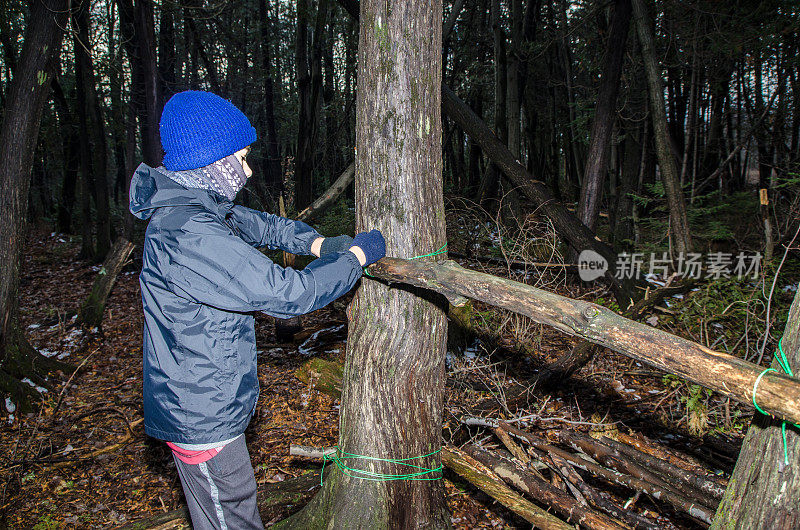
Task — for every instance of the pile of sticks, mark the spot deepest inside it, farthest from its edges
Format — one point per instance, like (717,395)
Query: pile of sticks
(553,469)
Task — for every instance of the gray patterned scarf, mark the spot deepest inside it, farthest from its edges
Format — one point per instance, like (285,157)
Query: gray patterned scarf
(225,177)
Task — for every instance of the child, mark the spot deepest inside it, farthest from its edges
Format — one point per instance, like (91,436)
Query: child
(202,277)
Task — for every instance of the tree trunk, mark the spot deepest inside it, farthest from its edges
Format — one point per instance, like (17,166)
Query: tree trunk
(490,186)
(166,50)
(393,390)
(573,147)
(605,113)
(513,101)
(273,157)
(70,152)
(763,490)
(26,98)
(138,33)
(309,91)
(621,210)
(679,223)
(93,127)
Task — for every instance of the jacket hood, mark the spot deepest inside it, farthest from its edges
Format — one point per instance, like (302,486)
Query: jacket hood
(151,189)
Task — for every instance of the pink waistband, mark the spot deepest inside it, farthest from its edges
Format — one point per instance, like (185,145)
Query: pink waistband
(193,457)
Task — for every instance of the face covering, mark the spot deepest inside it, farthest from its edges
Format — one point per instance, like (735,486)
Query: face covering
(225,177)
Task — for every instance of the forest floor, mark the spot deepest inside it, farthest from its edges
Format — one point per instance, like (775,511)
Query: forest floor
(88,464)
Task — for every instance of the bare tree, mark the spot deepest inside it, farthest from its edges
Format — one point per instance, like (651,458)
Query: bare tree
(25,102)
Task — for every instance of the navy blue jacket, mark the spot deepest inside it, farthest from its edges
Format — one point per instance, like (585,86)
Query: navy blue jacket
(201,278)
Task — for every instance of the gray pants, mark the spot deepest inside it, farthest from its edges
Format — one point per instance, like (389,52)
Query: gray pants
(221,492)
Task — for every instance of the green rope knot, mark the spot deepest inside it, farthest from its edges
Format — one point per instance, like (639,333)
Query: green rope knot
(784,364)
(442,250)
(416,472)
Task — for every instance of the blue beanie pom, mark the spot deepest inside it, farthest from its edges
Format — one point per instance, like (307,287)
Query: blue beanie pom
(198,128)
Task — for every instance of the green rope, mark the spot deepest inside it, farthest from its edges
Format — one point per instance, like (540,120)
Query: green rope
(784,364)
(339,456)
(442,250)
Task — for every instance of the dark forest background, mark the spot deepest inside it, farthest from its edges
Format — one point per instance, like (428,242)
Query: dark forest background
(562,84)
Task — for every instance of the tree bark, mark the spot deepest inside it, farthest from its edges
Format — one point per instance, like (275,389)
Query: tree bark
(762,492)
(166,50)
(138,33)
(393,386)
(679,222)
(70,152)
(604,115)
(26,98)
(513,100)
(490,185)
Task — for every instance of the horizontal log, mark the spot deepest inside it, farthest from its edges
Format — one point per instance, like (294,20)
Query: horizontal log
(630,517)
(492,485)
(777,394)
(611,458)
(699,482)
(696,510)
(330,195)
(543,491)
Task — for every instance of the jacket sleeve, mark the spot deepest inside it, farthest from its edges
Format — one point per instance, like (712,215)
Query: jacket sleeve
(207,264)
(261,229)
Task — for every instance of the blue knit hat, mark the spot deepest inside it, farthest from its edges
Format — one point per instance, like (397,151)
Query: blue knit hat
(198,128)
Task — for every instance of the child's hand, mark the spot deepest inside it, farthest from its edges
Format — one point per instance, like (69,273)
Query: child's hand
(369,247)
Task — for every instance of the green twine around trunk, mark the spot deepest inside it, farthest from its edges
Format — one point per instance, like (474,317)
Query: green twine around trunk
(416,472)
(784,364)
(441,250)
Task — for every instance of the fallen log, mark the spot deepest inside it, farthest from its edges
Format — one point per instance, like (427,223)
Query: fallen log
(543,491)
(330,195)
(483,478)
(629,517)
(696,510)
(701,483)
(611,457)
(778,394)
(584,351)
(642,444)
(93,308)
